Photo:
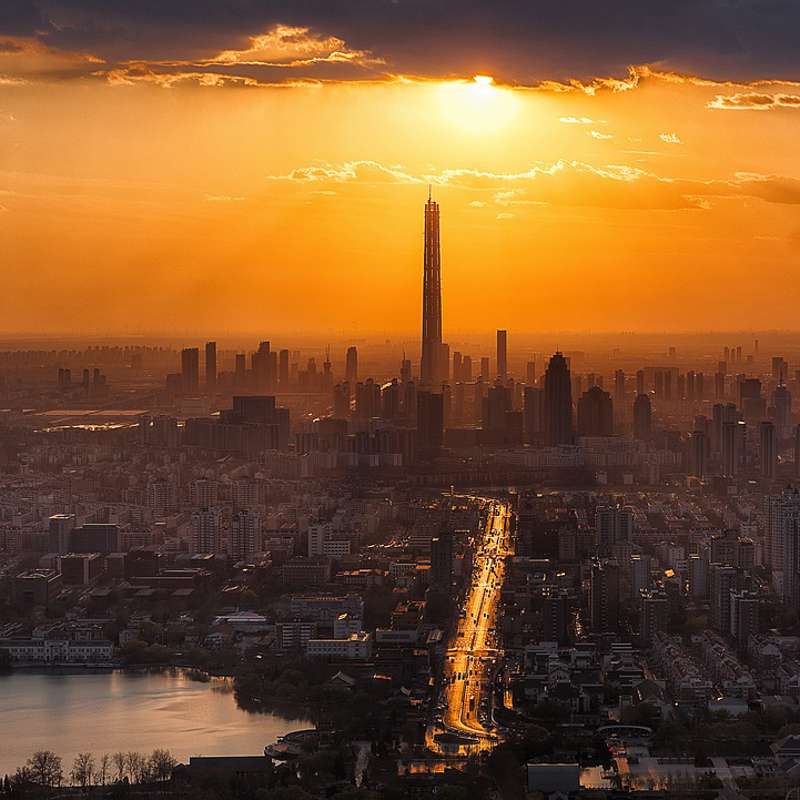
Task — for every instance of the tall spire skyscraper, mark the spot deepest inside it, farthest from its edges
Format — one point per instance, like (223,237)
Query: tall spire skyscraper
(432,351)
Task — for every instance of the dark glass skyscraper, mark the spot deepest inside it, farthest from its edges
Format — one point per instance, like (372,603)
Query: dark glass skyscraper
(558,401)
(430,367)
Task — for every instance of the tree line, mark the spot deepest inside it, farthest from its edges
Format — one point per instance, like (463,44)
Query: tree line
(45,769)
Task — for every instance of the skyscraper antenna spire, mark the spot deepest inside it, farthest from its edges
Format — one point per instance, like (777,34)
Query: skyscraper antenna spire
(429,193)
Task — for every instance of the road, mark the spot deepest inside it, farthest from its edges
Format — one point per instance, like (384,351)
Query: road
(469,662)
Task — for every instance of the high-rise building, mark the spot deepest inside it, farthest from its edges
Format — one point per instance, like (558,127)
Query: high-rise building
(604,597)
(60,527)
(698,576)
(744,618)
(642,418)
(430,423)
(697,454)
(211,367)
(619,387)
(430,368)
(533,411)
(245,535)
(485,370)
(768,451)
(555,616)
(595,413)
(613,525)
(502,355)
(722,581)
(530,373)
(190,370)
(782,405)
(283,368)
(782,513)
(653,616)
(351,365)
(797,452)
(558,401)
(640,574)
(442,560)
(206,530)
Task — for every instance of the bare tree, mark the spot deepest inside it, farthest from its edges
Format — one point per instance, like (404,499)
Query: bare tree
(83,770)
(45,768)
(104,769)
(162,763)
(136,764)
(120,764)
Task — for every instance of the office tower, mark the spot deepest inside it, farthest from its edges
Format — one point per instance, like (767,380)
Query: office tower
(722,581)
(458,403)
(211,367)
(768,451)
(782,513)
(640,574)
(699,386)
(613,525)
(782,404)
(698,576)
(368,399)
(430,423)
(555,616)
(341,400)
(530,373)
(690,393)
(190,370)
(390,400)
(604,597)
(240,370)
(639,382)
(558,402)
(442,560)
(533,411)
(59,530)
(405,369)
(653,616)
(719,385)
(642,418)
(619,388)
(283,368)
(780,369)
(502,355)
(245,538)
(751,402)
(595,413)
(730,449)
(466,369)
(206,530)
(457,367)
(744,618)
(430,369)
(498,401)
(485,370)
(697,454)
(351,366)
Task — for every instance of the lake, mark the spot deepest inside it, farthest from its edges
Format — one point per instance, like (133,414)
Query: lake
(102,712)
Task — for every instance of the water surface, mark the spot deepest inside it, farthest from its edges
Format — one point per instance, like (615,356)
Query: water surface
(102,712)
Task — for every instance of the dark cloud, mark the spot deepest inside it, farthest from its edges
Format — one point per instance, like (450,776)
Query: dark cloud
(516,40)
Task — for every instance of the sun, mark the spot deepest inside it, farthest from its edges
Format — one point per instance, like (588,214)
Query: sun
(478,106)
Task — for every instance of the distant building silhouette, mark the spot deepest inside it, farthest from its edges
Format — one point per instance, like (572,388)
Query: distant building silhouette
(595,413)
(431,369)
(558,402)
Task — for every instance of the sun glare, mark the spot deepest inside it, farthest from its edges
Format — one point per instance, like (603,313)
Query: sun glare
(477,106)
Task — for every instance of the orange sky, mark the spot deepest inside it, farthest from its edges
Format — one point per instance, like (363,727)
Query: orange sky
(661,203)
